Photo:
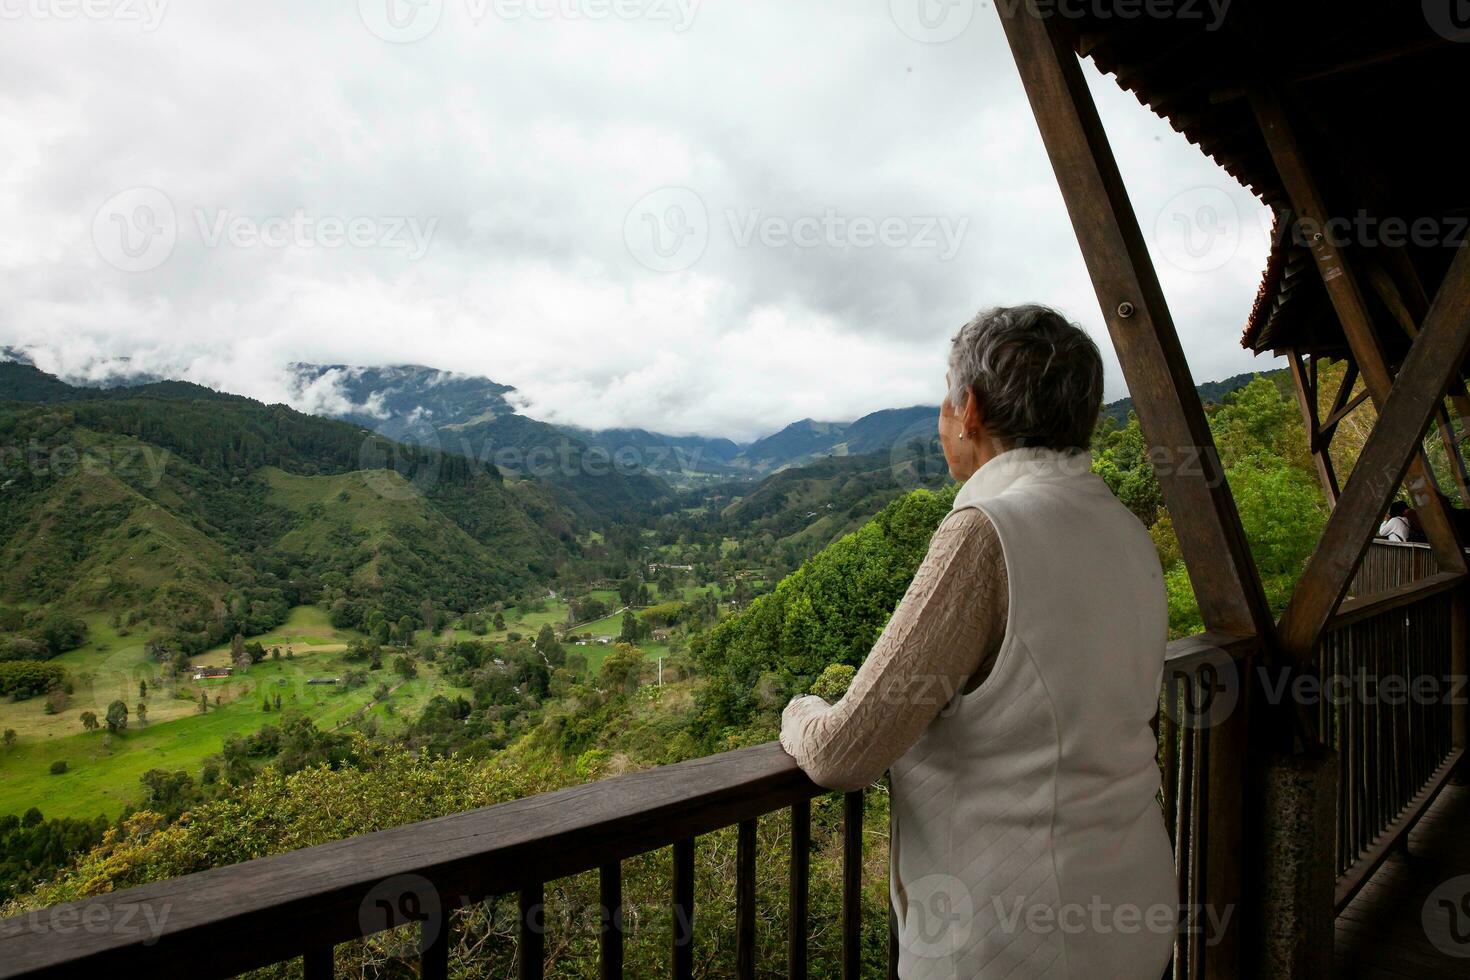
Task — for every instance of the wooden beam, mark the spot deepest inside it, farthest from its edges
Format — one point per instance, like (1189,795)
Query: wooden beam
(1346,294)
(1192,477)
(1389,293)
(1306,398)
(1441,347)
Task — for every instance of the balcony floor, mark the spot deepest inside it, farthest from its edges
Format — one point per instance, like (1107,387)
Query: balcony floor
(1382,932)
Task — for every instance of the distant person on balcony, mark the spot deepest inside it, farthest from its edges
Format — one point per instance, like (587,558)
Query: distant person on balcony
(1012,692)
(1396,527)
(1416,526)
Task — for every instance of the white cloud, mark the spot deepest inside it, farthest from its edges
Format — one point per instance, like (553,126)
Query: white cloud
(528,141)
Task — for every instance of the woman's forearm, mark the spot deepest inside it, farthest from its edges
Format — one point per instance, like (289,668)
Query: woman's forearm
(943,634)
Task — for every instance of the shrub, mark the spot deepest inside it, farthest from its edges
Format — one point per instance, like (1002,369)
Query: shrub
(58,767)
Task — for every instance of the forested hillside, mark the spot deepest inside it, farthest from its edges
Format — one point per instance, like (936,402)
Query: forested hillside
(199,517)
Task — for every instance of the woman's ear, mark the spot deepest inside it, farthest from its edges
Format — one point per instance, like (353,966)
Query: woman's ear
(972,418)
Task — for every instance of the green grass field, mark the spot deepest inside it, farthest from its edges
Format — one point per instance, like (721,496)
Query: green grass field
(103,769)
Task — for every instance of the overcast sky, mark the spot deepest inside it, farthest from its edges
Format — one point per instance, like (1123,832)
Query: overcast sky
(695,217)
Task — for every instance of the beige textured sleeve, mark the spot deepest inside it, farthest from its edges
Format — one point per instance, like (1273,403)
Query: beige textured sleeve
(942,639)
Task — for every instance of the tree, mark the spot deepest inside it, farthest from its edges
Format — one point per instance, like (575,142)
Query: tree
(546,645)
(117,717)
(238,655)
(9,738)
(278,702)
(142,689)
(142,713)
(405,630)
(203,702)
(405,667)
(633,628)
(499,621)
(89,721)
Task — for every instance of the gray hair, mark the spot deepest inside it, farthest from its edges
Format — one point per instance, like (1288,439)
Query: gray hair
(1036,377)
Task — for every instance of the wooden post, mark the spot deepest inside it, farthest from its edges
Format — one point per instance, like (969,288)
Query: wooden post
(1343,288)
(1306,398)
(1215,549)
(1460,676)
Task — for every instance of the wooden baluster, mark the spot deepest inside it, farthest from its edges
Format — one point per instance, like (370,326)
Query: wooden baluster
(1169,763)
(532,901)
(610,894)
(316,963)
(796,924)
(434,947)
(852,885)
(892,942)
(745,901)
(683,909)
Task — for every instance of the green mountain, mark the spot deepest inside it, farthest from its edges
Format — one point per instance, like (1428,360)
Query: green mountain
(206,515)
(809,506)
(473,417)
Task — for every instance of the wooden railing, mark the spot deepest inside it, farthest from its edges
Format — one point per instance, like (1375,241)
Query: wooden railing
(302,904)
(1391,705)
(1201,758)
(1386,565)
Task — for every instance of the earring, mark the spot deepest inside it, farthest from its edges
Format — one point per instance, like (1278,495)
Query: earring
(962,437)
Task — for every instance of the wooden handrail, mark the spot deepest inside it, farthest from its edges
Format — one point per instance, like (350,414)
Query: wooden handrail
(1365,607)
(227,920)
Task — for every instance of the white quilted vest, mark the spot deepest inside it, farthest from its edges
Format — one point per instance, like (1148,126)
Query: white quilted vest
(1026,838)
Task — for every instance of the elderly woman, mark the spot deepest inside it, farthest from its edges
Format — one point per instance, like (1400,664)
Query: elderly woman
(1012,693)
